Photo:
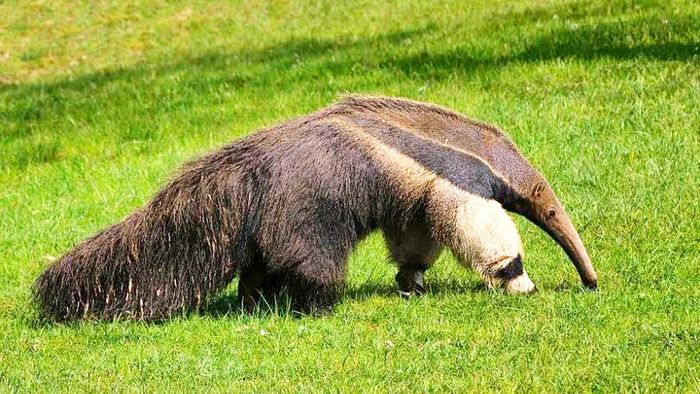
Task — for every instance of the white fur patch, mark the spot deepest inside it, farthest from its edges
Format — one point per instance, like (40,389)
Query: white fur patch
(520,285)
(478,230)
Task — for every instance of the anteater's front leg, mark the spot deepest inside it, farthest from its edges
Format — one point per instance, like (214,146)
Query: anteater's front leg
(481,234)
(414,250)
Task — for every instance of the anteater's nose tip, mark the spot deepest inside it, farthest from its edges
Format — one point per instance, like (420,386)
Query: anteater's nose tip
(593,285)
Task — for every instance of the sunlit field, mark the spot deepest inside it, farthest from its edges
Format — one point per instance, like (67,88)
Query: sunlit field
(102,101)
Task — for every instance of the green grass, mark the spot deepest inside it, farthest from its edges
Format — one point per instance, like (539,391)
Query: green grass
(101,101)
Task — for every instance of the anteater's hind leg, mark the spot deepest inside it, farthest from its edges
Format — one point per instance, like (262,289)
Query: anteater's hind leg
(316,282)
(257,284)
(481,234)
(310,268)
(258,287)
(414,250)
(249,282)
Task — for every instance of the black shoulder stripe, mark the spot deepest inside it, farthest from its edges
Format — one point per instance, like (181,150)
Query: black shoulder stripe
(464,171)
(512,270)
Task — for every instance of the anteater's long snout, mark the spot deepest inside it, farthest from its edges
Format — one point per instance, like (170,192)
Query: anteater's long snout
(564,232)
(552,218)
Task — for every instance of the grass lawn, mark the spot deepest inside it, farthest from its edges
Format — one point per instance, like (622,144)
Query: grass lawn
(100,102)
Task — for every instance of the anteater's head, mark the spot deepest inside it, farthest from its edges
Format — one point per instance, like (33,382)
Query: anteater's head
(541,206)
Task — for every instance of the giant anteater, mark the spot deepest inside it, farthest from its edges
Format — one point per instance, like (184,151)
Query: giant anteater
(282,207)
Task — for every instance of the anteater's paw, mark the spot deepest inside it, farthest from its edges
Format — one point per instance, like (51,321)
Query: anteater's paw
(409,283)
(414,291)
(521,284)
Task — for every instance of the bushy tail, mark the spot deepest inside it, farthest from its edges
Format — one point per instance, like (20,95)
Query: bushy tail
(163,259)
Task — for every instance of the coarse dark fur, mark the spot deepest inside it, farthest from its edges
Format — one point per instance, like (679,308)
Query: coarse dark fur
(280,208)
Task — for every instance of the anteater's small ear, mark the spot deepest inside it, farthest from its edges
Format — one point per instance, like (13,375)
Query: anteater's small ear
(538,188)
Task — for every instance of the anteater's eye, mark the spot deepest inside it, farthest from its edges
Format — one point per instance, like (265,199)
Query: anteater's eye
(551,213)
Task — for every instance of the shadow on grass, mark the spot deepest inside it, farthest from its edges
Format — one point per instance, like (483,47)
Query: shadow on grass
(299,66)
(642,37)
(227,305)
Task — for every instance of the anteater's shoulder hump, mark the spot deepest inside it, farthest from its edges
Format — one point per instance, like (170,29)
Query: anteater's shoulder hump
(392,107)
(453,131)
